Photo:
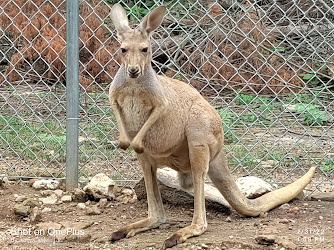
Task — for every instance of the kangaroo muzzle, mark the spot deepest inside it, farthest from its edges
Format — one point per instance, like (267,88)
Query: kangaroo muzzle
(133,71)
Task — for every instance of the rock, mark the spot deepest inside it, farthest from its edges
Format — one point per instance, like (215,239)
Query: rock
(48,225)
(294,209)
(284,221)
(253,187)
(58,192)
(19,198)
(35,215)
(30,202)
(46,210)
(22,210)
(100,186)
(81,206)
(103,203)
(285,206)
(172,193)
(286,244)
(46,193)
(94,210)
(127,191)
(52,199)
(46,184)
(265,239)
(80,225)
(78,195)
(82,238)
(102,239)
(329,196)
(31,182)
(228,219)
(66,198)
(3,182)
(301,196)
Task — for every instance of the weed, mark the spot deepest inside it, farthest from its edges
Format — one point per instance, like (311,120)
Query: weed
(227,118)
(328,165)
(243,99)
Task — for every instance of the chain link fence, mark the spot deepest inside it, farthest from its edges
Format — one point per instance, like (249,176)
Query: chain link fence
(266,66)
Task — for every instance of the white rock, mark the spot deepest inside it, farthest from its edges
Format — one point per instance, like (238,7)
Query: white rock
(46,210)
(253,187)
(52,199)
(58,192)
(46,184)
(81,206)
(100,186)
(66,198)
(19,198)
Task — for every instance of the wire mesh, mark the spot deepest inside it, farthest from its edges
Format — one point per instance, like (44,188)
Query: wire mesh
(266,66)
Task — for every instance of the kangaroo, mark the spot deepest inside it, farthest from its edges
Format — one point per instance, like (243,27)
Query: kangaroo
(168,123)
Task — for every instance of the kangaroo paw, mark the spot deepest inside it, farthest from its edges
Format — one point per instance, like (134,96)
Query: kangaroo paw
(123,145)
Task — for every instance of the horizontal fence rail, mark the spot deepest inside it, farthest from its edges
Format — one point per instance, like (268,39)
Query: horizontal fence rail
(267,67)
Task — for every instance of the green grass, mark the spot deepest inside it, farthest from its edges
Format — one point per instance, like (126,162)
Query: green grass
(328,165)
(45,141)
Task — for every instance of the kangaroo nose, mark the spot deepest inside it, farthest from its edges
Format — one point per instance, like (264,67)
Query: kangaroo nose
(133,70)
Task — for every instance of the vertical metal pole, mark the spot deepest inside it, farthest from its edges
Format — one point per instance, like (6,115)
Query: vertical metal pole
(72,93)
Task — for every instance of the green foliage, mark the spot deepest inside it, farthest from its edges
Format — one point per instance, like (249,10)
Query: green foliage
(227,120)
(311,114)
(244,99)
(45,141)
(328,165)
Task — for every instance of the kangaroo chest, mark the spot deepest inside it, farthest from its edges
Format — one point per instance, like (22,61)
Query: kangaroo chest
(136,107)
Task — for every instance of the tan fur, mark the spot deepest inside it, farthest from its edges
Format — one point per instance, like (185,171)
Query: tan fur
(168,123)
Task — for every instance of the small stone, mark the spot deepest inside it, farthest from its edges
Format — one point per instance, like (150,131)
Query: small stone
(31,182)
(78,195)
(46,184)
(82,238)
(66,198)
(46,210)
(228,219)
(81,206)
(164,226)
(265,239)
(321,217)
(35,215)
(48,225)
(100,186)
(52,199)
(204,246)
(58,192)
(94,210)
(294,209)
(21,210)
(127,191)
(284,221)
(46,193)
(30,202)
(103,203)
(252,186)
(263,215)
(20,198)
(285,206)
(286,244)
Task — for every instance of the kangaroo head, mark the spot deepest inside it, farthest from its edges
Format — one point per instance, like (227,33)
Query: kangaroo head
(135,51)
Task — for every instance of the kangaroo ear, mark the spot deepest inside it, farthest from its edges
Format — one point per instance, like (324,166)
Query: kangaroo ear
(119,19)
(152,20)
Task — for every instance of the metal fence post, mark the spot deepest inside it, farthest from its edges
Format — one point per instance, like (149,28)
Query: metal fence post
(72,93)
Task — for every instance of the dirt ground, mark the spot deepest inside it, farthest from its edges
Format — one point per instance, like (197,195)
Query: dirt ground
(299,225)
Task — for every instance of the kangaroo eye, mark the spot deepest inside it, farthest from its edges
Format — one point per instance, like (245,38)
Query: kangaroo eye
(123,50)
(144,50)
